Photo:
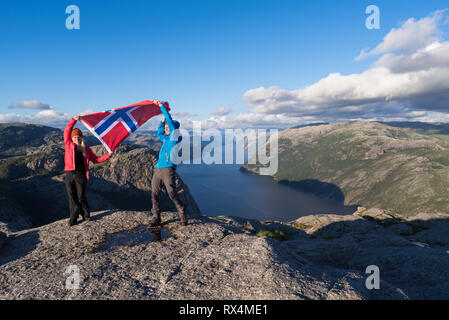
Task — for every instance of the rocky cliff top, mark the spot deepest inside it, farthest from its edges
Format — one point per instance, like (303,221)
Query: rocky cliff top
(314,257)
(400,167)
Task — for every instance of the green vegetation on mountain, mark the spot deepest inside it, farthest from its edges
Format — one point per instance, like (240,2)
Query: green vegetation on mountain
(275,234)
(404,169)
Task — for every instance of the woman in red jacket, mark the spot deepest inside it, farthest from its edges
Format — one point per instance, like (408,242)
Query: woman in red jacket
(77,157)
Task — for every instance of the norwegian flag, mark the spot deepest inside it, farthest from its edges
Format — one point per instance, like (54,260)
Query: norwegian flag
(111,127)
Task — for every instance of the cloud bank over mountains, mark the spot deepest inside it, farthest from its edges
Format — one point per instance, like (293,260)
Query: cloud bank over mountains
(49,116)
(408,81)
(30,104)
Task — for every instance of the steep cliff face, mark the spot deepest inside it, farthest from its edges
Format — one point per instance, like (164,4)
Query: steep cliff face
(318,257)
(404,169)
(32,189)
(125,180)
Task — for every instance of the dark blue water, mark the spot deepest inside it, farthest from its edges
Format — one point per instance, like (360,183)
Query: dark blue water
(225,190)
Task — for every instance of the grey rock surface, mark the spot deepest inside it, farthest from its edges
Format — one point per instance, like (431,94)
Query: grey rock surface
(3,237)
(12,216)
(411,253)
(323,257)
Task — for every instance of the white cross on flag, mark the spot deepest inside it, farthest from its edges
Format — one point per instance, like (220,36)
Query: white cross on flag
(111,127)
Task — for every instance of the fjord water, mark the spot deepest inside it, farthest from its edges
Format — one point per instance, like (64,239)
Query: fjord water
(225,190)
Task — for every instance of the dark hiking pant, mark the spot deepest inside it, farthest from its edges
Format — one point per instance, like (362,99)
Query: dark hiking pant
(75,183)
(164,176)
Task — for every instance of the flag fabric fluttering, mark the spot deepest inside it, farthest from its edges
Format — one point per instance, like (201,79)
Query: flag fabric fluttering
(111,127)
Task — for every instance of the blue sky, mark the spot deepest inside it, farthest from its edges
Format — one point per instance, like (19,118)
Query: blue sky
(198,55)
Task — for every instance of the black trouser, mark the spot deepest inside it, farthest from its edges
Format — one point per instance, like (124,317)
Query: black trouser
(75,183)
(165,176)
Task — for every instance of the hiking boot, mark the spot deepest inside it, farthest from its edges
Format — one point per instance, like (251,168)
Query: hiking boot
(183,219)
(155,222)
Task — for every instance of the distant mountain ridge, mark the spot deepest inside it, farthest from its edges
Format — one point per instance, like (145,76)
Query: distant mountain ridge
(402,167)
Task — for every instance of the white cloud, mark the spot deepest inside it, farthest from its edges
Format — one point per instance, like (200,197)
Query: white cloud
(222,111)
(180,114)
(30,104)
(49,117)
(249,120)
(434,55)
(411,36)
(87,111)
(408,77)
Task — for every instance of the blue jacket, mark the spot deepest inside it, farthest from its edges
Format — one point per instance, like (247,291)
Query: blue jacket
(168,142)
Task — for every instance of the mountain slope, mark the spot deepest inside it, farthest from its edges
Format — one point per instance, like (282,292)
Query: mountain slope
(368,163)
(20,138)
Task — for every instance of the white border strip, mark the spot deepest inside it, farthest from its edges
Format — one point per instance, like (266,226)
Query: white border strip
(92,130)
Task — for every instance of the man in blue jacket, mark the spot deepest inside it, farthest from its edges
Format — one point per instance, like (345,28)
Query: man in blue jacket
(164,170)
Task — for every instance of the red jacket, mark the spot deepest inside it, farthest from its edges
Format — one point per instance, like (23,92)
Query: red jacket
(69,146)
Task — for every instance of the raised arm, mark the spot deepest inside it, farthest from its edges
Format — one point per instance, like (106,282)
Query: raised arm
(160,131)
(68,130)
(168,119)
(93,157)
